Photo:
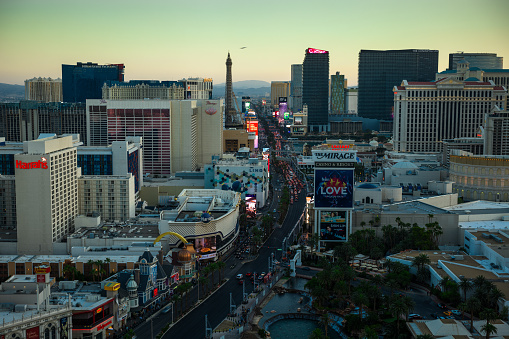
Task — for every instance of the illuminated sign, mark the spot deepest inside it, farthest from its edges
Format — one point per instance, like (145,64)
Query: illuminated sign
(155,292)
(333,188)
(36,164)
(334,156)
(103,325)
(339,146)
(333,225)
(316,51)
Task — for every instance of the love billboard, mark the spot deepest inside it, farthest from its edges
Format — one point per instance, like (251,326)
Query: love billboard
(334,188)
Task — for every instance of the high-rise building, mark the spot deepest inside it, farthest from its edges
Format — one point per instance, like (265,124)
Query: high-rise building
(425,113)
(351,97)
(197,88)
(278,89)
(481,60)
(25,120)
(380,71)
(85,80)
(178,135)
(315,88)
(296,88)
(43,89)
(143,89)
(46,193)
(495,132)
(338,87)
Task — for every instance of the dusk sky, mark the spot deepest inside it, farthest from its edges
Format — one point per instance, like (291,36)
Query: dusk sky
(171,40)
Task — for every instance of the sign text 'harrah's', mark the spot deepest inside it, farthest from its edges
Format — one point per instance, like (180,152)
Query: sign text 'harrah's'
(29,165)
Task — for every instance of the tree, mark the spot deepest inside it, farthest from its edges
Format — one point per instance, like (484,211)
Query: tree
(463,307)
(360,299)
(489,329)
(473,305)
(317,334)
(325,321)
(129,334)
(220,265)
(465,286)
(420,261)
(397,309)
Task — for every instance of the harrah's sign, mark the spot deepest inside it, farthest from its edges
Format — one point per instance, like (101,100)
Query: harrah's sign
(35,164)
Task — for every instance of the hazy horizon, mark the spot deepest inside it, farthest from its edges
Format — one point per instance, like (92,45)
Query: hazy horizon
(167,40)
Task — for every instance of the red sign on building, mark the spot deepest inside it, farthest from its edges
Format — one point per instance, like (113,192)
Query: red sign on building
(33,333)
(41,278)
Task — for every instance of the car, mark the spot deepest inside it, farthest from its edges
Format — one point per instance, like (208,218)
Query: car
(441,305)
(448,313)
(456,312)
(260,277)
(241,282)
(414,316)
(248,274)
(240,276)
(166,309)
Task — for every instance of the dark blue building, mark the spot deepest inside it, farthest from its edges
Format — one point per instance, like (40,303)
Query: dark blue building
(315,88)
(85,81)
(380,71)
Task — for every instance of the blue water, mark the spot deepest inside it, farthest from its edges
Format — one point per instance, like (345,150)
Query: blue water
(297,328)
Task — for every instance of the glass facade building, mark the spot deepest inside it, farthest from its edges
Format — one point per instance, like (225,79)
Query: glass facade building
(337,94)
(296,88)
(315,88)
(380,71)
(481,60)
(85,80)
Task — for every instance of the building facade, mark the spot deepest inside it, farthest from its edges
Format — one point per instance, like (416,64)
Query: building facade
(46,193)
(143,89)
(495,132)
(197,88)
(296,88)
(112,197)
(481,60)
(480,177)
(85,80)
(25,120)
(425,113)
(43,89)
(338,87)
(315,88)
(278,89)
(380,71)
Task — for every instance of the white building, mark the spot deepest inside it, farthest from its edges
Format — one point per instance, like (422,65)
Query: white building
(46,193)
(425,113)
(250,177)
(43,89)
(112,196)
(197,88)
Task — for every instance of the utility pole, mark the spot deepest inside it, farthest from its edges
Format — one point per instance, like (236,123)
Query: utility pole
(151,328)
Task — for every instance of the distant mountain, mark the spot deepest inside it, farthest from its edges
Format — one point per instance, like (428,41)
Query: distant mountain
(11,92)
(247,84)
(253,88)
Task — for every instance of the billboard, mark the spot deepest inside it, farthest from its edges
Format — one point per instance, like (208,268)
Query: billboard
(334,188)
(333,225)
(252,126)
(33,333)
(297,121)
(64,328)
(251,205)
(287,115)
(283,106)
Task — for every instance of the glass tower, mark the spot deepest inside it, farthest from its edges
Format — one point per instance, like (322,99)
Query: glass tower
(315,88)
(380,71)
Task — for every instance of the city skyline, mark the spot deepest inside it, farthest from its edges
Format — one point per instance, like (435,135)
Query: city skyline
(172,40)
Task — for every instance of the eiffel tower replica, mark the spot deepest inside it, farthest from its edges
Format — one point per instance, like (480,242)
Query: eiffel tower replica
(233,118)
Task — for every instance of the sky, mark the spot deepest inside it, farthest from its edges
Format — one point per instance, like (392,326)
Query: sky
(171,40)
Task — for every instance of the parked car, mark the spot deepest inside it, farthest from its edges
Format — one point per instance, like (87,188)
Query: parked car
(248,274)
(241,281)
(448,313)
(456,312)
(239,276)
(414,316)
(441,305)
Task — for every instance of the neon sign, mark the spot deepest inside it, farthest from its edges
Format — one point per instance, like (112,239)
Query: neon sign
(316,51)
(35,164)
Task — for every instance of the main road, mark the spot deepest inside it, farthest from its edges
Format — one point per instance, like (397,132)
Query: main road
(216,307)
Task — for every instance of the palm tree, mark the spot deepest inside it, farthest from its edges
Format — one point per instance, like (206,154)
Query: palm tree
(204,282)
(494,295)
(316,334)
(398,308)
(473,305)
(360,299)
(363,223)
(177,297)
(420,261)
(220,266)
(444,282)
(129,334)
(463,307)
(325,321)
(489,329)
(465,286)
